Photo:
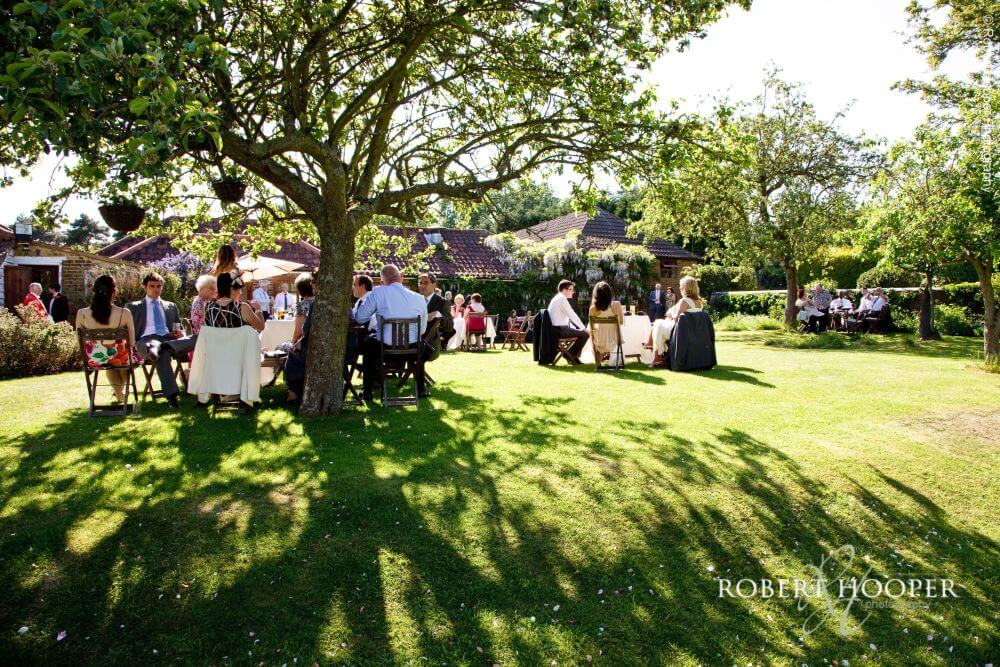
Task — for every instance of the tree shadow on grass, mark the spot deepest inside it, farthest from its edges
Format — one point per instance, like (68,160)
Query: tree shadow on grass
(385,535)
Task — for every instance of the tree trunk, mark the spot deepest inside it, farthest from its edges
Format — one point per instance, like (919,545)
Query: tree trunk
(927,331)
(328,332)
(991,330)
(791,296)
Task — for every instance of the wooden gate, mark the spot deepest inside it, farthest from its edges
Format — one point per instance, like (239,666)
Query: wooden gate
(17,278)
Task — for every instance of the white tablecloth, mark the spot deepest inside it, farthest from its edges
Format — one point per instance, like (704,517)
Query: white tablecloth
(635,333)
(275,332)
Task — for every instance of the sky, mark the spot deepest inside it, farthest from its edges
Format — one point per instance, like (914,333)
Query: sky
(843,51)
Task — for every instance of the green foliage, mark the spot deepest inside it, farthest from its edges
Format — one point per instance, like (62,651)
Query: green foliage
(129,283)
(952,320)
(512,207)
(887,275)
(740,322)
(764,304)
(33,346)
(715,278)
(86,233)
(828,340)
(837,267)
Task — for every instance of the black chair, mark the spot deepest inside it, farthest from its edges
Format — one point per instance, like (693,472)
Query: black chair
(400,357)
(692,343)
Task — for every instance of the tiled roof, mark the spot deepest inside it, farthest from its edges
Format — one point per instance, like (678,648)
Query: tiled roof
(600,231)
(466,255)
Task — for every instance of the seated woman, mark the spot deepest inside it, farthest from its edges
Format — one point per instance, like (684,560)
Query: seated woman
(602,304)
(227,313)
(458,318)
(476,326)
(104,314)
(808,314)
(295,365)
(659,337)
(206,294)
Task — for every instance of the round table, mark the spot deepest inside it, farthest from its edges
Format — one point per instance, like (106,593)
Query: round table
(635,332)
(275,332)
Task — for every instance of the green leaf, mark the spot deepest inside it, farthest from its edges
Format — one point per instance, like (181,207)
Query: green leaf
(138,105)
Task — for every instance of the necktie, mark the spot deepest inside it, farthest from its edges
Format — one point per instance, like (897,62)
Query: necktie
(159,319)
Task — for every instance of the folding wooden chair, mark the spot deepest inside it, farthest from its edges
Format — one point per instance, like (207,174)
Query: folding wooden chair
(564,351)
(400,357)
(94,364)
(148,367)
(516,339)
(616,357)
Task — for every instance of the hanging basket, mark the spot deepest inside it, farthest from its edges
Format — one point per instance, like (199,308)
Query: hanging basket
(229,190)
(123,217)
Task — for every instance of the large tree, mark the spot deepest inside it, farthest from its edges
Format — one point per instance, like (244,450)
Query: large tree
(915,200)
(334,111)
(768,180)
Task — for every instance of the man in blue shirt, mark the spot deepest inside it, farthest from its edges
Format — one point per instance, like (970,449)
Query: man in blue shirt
(391,300)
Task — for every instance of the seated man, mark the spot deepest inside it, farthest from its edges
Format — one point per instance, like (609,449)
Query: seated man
(437,309)
(391,300)
(840,308)
(159,334)
(565,321)
(361,287)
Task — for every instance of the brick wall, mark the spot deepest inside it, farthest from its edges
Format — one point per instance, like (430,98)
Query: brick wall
(670,272)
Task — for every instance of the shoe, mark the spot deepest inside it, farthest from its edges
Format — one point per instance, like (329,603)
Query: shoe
(173,402)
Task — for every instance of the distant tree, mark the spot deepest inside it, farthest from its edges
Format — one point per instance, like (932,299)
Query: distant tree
(768,181)
(513,207)
(625,203)
(85,232)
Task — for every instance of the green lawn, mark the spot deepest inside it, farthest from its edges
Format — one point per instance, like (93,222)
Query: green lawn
(526,515)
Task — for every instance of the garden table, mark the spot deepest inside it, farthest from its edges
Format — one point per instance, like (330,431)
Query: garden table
(275,333)
(635,333)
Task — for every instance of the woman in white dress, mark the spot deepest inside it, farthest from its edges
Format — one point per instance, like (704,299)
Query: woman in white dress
(458,317)
(659,337)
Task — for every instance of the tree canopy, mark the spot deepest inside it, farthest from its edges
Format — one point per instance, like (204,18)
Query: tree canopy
(768,180)
(333,112)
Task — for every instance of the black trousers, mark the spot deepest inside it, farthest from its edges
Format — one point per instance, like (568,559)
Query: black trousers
(580,335)
(372,363)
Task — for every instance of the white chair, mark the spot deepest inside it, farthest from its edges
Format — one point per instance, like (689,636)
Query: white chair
(226,362)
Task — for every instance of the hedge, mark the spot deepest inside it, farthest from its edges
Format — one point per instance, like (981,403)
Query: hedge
(959,306)
(34,346)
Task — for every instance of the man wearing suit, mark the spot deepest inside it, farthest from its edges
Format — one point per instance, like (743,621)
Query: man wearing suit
(437,311)
(158,335)
(58,304)
(657,301)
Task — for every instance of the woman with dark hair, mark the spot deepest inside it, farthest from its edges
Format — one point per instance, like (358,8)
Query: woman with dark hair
(304,288)
(225,261)
(227,313)
(295,364)
(602,304)
(104,314)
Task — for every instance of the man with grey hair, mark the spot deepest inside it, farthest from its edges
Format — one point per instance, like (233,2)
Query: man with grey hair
(391,300)
(33,302)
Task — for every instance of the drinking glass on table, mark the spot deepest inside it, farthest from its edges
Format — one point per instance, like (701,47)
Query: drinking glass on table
(280,313)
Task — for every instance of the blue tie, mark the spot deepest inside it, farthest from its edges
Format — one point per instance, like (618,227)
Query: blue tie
(159,320)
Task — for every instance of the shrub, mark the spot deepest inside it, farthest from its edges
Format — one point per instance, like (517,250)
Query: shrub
(714,278)
(747,304)
(952,320)
(837,267)
(885,275)
(740,322)
(828,340)
(35,347)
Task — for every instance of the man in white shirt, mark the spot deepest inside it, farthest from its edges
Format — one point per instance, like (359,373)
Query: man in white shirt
(566,322)
(263,300)
(284,302)
(840,308)
(878,301)
(864,304)
(391,300)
